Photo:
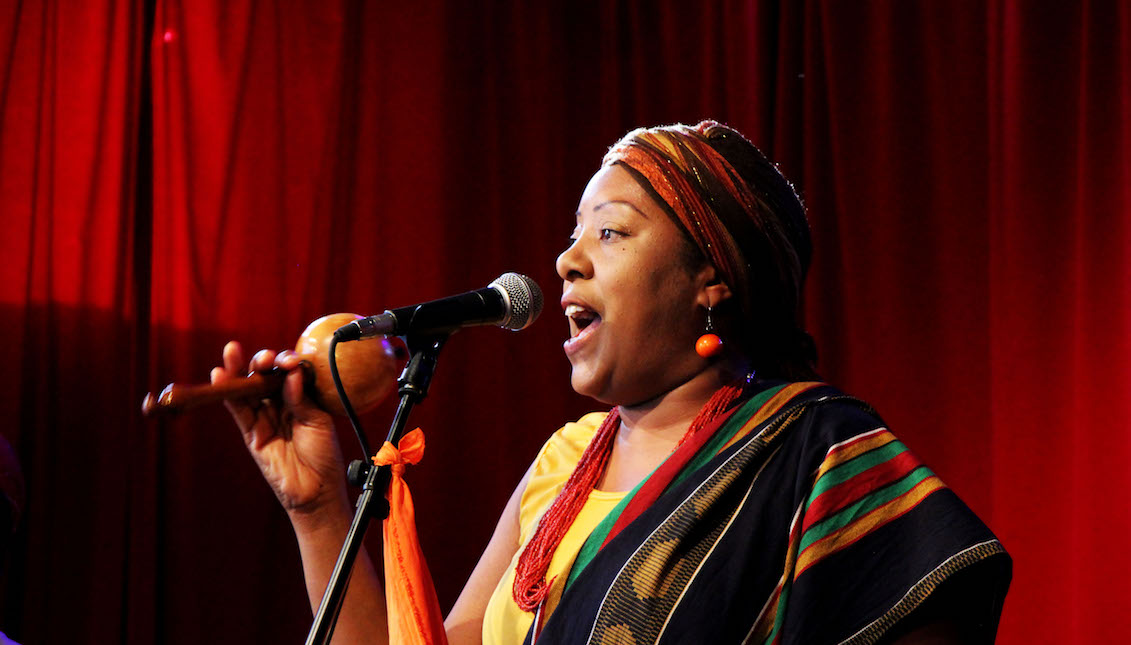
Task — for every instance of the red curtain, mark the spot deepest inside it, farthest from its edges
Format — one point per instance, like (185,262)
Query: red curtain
(176,174)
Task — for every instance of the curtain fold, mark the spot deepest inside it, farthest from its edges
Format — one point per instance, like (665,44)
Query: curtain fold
(69,112)
(1060,304)
(175,174)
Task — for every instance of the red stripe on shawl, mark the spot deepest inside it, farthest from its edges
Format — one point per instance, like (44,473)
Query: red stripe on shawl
(864,526)
(764,625)
(769,409)
(651,490)
(856,487)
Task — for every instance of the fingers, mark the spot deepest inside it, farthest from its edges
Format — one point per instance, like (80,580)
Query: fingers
(293,388)
(287,360)
(245,412)
(263,360)
(298,404)
(261,421)
(233,358)
(267,426)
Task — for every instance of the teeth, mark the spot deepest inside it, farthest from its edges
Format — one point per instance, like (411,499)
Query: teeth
(573,310)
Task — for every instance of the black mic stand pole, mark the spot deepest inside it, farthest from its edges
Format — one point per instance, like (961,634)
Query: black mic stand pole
(413,387)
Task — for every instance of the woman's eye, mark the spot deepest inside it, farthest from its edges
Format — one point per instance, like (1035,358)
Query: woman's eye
(610,234)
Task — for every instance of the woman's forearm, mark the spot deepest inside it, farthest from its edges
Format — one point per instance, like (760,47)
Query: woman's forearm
(320,534)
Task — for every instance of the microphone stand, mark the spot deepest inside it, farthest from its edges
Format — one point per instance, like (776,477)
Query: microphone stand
(413,387)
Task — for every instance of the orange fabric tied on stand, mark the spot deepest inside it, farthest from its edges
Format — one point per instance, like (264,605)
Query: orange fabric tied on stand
(414,611)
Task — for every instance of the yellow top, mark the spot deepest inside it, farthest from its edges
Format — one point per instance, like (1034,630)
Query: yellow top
(504,622)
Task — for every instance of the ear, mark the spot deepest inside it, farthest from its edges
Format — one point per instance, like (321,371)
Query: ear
(712,290)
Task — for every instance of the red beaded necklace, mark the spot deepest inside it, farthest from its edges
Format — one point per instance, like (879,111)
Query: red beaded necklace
(530,584)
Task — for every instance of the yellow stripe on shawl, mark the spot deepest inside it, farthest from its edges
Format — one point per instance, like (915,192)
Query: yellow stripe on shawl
(770,408)
(764,625)
(853,448)
(866,524)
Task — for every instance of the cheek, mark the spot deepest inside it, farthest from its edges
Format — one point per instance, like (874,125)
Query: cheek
(673,325)
(670,317)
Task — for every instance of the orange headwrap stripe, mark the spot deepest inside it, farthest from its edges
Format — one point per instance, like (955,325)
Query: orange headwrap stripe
(670,160)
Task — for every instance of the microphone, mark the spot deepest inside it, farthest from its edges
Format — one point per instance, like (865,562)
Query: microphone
(512,301)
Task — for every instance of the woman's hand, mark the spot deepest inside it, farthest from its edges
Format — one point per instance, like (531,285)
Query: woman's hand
(294,443)
(291,439)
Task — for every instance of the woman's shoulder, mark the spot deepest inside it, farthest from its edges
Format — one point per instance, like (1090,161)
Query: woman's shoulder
(553,465)
(564,448)
(826,414)
(575,435)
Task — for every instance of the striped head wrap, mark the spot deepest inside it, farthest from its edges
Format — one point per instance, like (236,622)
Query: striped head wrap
(746,220)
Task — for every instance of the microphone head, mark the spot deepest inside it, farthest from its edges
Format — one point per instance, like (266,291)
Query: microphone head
(523,300)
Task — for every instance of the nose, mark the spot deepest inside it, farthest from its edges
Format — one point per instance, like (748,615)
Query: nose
(573,263)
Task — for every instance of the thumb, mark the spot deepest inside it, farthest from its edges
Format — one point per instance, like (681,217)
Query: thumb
(295,399)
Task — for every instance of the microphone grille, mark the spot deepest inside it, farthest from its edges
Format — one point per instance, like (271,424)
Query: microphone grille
(523,297)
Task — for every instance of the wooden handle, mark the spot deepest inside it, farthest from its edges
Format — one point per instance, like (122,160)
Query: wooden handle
(367,369)
(178,398)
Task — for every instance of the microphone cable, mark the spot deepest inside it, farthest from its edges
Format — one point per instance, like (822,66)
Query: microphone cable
(354,419)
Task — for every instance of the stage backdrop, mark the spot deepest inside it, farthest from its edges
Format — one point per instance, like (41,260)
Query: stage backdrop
(179,174)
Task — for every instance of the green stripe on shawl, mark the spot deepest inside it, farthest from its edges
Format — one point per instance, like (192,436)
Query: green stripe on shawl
(865,505)
(779,615)
(855,466)
(728,429)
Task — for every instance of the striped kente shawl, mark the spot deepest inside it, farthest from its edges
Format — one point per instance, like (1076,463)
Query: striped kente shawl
(815,525)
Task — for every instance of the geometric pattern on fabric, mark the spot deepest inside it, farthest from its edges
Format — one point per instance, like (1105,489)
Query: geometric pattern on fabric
(822,482)
(862,484)
(652,581)
(922,589)
(704,446)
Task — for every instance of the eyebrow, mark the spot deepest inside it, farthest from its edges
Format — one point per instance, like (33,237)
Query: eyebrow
(616,201)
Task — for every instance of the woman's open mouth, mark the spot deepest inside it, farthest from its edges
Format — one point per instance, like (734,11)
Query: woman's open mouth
(583,324)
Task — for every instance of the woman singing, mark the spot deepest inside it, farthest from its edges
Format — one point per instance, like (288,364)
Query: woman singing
(727,496)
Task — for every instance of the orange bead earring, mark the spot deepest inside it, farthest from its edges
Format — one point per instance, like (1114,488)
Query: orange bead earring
(709,344)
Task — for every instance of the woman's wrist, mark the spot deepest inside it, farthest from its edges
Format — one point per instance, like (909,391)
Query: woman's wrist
(332,515)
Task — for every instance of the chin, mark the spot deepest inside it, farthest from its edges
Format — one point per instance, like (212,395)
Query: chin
(585,385)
